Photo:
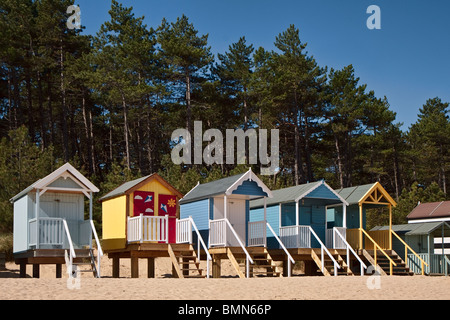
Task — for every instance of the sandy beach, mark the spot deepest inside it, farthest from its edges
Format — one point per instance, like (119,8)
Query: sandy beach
(229,287)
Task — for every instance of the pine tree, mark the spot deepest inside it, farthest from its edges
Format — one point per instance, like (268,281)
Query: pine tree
(234,73)
(430,140)
(187,56)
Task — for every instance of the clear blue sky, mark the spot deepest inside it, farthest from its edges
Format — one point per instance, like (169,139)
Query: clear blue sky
(408,60)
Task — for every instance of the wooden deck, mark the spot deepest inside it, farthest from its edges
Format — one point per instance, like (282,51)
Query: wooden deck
(37,257)
(145,250)
(150,251)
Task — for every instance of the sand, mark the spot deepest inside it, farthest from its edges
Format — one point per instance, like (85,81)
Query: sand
(227,288)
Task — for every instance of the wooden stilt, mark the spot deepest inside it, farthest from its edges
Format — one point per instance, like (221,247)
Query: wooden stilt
(23,270)
(116,267)
(216,267)
(58,270)
(134,267)
(150,267)
(36,270)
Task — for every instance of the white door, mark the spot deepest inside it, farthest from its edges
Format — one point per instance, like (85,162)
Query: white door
(236,216)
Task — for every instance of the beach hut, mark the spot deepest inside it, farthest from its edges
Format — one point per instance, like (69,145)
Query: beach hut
(139,220)
(221,209)
(375,246)
(50,225)
(427,241)
(292,210)
(299,217)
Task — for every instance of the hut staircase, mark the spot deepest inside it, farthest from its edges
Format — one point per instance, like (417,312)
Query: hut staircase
(84,262)
(401,269)
(263,264)
(185,262)
(328,269)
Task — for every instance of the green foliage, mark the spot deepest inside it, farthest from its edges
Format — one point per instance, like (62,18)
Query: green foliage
(411,198)
(21,164)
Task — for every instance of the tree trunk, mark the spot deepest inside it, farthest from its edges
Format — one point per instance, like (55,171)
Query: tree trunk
(88,135)
(31,130)
(50,110)
(309,173)
(64,108)
(188,103)
(41,112)
(339,161)
(125,131)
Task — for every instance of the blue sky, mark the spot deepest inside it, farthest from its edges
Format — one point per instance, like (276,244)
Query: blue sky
(407,60)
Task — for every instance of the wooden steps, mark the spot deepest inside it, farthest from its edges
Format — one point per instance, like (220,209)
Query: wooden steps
(84,258)
(401,269)
(328,269)
(186,263)
(263,264)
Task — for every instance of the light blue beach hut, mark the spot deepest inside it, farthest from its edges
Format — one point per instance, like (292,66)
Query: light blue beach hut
(50,225)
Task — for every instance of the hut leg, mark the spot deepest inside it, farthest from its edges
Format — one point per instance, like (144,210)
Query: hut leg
(58,270)
(23,270)
(151,267)
(134,267)
(36,270)
(115,267)
(216,267)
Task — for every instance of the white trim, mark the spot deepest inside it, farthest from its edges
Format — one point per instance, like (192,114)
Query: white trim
(198,183)
(41,184)
(249,175)
(329,188)
(429,220)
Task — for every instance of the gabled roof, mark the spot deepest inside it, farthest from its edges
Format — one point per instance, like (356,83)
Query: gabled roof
(224,186)
(411,229)
(130,186)
(365,193)
(67,170)
(430,210)
(294,194)
(354,194)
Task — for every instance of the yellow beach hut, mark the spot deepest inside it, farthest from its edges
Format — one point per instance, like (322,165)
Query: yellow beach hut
(139,219)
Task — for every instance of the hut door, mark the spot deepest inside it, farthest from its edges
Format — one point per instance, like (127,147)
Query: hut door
(143,203)
(168,206)
(236,216)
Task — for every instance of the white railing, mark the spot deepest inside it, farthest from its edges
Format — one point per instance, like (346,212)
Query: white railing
(218,237)
(300,237)
(290,260)
(336,242)
(99,248)
(249,258)
(184,231)
(32,232)
(342,241)
(323,249)
(148,228)
(46,231)
(72,255)
(296,236)
(257,234)
(184,235)
(217,233)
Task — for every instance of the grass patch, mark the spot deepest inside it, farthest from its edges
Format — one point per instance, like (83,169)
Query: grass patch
(6,245)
